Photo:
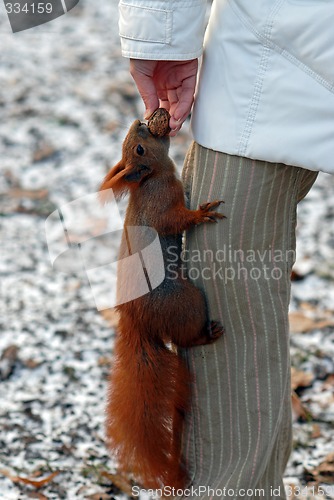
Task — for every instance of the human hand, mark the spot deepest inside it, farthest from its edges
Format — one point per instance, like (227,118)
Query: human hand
(166,84)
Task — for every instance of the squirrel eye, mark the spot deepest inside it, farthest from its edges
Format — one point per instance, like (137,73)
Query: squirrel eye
(140,150)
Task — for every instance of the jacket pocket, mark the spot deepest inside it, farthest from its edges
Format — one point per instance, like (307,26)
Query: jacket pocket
(145,24)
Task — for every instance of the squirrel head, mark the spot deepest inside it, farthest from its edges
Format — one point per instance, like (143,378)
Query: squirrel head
(143,156)
(141,147)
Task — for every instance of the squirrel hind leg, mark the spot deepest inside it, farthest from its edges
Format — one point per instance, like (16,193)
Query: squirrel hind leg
(192,328)
(214,330)
(211,333)
(189,316)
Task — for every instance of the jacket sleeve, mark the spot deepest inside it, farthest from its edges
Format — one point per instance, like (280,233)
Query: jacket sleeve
(162,29)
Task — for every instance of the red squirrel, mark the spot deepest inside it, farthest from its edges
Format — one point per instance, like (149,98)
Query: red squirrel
(150,385)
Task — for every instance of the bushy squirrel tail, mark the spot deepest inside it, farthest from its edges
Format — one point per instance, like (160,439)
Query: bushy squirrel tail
(148,390)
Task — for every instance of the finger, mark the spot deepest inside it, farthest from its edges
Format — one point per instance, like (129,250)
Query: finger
(164,103)
(185,101)
(170,103)
(172,99)
(148,93)
(175,131)
(146,88)
(174,125)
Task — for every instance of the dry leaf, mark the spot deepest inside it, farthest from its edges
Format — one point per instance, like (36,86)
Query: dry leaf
(324,472)
(7,361)
(111,127)
(111,316)
(32,482)
(31,363)
(36,494)
(307,306)
(328,382)
(296,276)
(298,410)
(98,496)
(32,194)
(300,323)
(325,323)
(121,482)
(104,361)
(316,431)
(45,151)
(300,378)
(92,228)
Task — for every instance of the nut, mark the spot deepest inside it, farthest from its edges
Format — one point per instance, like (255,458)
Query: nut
(158,122)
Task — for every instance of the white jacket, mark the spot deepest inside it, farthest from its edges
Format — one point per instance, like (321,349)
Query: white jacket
(266,88)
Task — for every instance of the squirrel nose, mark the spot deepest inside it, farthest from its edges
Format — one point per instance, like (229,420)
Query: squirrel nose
(139,127)
(143,129)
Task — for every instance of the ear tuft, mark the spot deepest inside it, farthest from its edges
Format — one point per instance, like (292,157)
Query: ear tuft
(113,182)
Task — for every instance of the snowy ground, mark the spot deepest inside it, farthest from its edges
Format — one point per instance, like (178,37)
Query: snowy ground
(66,101)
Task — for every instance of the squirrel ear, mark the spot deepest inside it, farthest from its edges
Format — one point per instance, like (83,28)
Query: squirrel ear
(138,173)
(113,180)
(114,171)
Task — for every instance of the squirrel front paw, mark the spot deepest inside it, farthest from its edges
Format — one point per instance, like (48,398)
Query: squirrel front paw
(206,213)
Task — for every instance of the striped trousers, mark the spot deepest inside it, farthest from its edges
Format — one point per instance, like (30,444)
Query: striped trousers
(237,437)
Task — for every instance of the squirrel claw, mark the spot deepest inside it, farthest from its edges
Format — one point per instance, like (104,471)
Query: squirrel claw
(209,218)
(207,211)
(210,204)
(215,330)
(212,216)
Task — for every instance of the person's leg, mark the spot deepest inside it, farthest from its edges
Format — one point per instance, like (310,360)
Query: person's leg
(238,432)
(282,450)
